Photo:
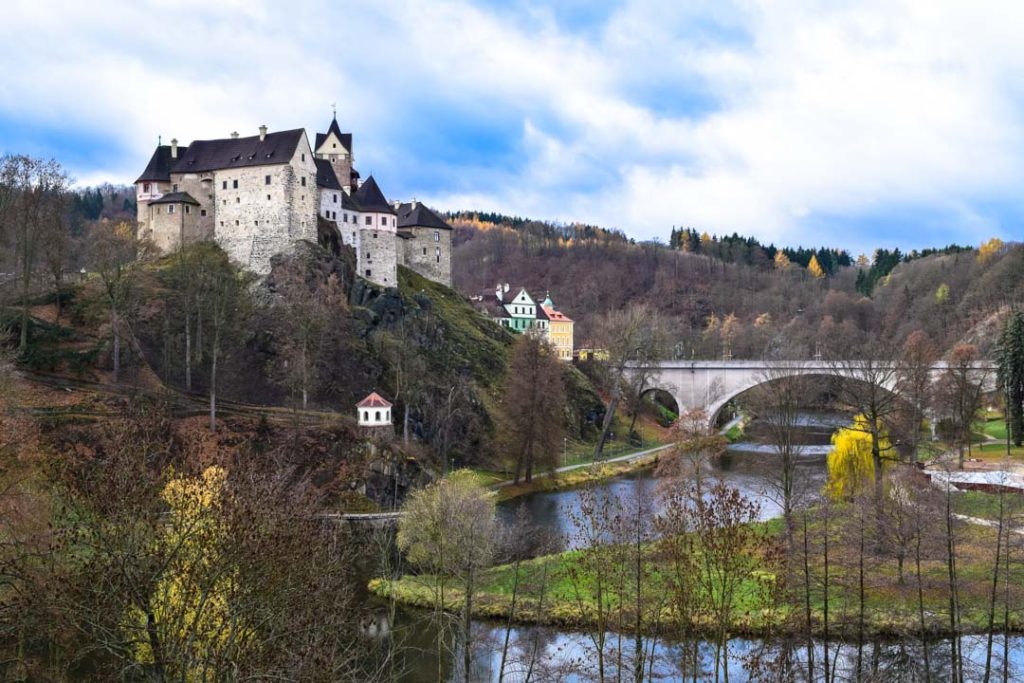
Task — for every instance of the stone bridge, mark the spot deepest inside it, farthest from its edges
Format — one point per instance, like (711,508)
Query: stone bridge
(711,384)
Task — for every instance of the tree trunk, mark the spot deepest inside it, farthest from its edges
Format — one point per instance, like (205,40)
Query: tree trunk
(467,628)
(115,330)
(213,381)
(606,425)
(188,350)
(995,590)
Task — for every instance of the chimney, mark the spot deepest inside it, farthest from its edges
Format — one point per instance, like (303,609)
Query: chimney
(497,292)
(174,148)
(263,133)
(414,202)
(234,135)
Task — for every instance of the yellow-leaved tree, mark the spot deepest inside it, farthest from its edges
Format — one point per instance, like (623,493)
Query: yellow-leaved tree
(815,269)
(989,249)
(850,466)
(781,261)
(190,602)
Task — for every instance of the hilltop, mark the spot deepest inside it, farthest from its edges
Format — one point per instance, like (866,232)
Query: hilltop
(763,304)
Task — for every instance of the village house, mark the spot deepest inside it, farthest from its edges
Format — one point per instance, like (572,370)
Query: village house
(522,314)
(257,196)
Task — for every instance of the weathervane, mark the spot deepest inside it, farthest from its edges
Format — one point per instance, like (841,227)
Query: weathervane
(334,109)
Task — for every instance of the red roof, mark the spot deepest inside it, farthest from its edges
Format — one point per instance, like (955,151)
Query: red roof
(556,316)
(374,400)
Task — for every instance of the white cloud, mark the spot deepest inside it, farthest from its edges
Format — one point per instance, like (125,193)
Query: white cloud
(806,110)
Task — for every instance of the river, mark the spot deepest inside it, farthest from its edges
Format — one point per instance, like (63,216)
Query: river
(566,656)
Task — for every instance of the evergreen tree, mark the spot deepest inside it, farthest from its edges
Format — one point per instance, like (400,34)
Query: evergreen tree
(1010,357)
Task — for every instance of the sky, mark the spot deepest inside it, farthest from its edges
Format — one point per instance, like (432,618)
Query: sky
(851,124)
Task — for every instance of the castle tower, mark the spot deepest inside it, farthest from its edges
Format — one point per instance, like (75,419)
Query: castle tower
(336,147)
(377,247)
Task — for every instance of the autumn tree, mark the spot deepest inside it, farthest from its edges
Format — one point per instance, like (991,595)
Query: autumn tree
(634,335)
(987,250)
(448,529)
(960,395)
(1010,359)
(815,269)
(532,419)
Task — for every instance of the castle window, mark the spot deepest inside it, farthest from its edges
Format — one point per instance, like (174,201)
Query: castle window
(266,180)
(424,251)
(224,202)
(335,197)
(202,212)
(256,222)
(303,180)
(367,272)
(237,223)
(345,217)
(145,187)
(268,197)
(238,200)
(225,185)
(369,220)
(437,253)
(374,235)
(170,208)
(437,236)
(303,156)
(234,184)
(188,209)
(333,145)
(174,187)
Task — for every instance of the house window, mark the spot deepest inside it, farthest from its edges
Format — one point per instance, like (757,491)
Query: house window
(145,187)
(234,184)
(266,180)
(303,180)
(202,212)
(345,217)
(335,197)
(437,236)
(369,220)
(377,416)
(170,208)
(225,185)
(366,416)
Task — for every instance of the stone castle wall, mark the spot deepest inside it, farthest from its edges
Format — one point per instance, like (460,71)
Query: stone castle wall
(377,251)
(429,253)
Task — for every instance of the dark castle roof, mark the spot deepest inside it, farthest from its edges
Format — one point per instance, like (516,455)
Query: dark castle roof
(176,198)
(158,170)
(371,199)
(212,155)
(416,215)
(325,175)
(346,138)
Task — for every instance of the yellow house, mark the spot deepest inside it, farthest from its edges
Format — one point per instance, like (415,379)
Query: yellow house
(559,330)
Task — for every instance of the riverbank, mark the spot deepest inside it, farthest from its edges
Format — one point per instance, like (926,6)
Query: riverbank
(890,608)
(571,476)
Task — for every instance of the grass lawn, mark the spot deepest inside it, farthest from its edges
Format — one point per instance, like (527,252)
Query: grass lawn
(890,606)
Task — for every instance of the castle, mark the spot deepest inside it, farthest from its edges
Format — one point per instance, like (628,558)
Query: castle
(256,196)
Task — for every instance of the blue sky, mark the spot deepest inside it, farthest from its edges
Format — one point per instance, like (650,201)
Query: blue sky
(854,124)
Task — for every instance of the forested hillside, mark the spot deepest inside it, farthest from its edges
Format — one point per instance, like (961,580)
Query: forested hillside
(734,295)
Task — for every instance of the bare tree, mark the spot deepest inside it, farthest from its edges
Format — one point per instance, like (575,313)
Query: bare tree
(532,419)
(960,395)
(915,383)
(113,258)
(31,186)
(631,336)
